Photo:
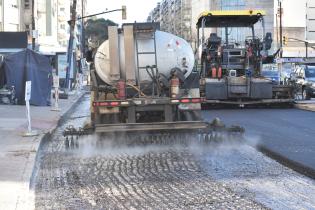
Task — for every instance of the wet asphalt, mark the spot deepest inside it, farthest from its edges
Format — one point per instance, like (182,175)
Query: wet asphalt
(224,176)
(289,133)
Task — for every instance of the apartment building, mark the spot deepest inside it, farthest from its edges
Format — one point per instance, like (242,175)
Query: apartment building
(174,17)
(155,14)
(50,18)
(63,15)
(298,19)
(79,29)
(310,20)
(10,15)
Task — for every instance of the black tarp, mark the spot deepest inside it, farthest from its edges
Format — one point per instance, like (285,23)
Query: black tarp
(28,65)
(16,40)
(2,75)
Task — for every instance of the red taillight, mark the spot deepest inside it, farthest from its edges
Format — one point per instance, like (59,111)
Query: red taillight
(186,100)
(114,103)
(196,100)
(103,103)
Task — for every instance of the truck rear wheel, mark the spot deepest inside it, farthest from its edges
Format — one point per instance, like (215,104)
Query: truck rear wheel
(190,115)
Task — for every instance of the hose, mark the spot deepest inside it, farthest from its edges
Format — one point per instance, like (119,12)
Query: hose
(137,89)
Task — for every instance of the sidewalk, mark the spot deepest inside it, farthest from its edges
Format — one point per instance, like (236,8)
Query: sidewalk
(305,105)
(18,154)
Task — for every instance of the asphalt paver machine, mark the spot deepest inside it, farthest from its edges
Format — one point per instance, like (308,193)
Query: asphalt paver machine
(231,56)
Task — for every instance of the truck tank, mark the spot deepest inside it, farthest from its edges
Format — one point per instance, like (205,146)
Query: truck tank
(171,52)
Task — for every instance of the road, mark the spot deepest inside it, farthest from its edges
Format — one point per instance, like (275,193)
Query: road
(289,132)
(164,176)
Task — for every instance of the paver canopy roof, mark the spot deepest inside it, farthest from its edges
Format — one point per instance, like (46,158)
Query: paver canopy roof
(230,18)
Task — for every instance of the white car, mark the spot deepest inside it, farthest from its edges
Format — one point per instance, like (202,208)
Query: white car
(304,77)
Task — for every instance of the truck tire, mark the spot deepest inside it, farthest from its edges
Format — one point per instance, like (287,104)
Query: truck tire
(191,115)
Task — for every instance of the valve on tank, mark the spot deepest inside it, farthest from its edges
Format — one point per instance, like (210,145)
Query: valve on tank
(121,89)
(177,78)
(174,87)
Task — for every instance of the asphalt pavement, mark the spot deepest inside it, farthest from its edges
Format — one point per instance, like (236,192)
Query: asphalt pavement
(308,105)
(287,133)
(98,174)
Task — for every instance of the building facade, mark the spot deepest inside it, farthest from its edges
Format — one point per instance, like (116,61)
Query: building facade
(174,17)
(50,18)
(199,6)
(10,15)
(310,20)
(79,29)
(63,15)
(300,26)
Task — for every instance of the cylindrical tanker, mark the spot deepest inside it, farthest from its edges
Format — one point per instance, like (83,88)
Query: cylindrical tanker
(171,52)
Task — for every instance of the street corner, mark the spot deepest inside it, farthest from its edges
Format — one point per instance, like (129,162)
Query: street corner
(308,105)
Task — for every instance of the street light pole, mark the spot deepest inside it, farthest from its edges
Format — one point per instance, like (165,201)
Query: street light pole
(306,43)
(123,9)
(70,53)
(82,30)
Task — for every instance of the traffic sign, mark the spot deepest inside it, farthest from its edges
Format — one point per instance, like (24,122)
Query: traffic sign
(28,90)
(55,81)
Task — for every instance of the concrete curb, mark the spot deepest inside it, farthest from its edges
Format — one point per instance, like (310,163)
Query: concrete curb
(47,136)
(306,107)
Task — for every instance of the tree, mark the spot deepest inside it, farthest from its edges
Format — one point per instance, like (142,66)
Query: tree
(96,31)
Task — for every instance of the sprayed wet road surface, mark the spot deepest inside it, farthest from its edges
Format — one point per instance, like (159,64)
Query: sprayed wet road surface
(159,177)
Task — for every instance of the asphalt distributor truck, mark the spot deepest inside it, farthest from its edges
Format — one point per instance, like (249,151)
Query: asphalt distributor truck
(144,82)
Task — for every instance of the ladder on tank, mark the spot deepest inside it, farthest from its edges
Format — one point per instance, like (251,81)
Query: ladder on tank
(146,32)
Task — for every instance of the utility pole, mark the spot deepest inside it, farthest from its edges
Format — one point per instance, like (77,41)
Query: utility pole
(73,13)
(83,30)
(281,44)
(33,25)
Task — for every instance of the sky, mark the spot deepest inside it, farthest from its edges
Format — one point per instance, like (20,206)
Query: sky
(137,10)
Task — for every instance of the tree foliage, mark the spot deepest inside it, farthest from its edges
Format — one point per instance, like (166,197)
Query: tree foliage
(96,30)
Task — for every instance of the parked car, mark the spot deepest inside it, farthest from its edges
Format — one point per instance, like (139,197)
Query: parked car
(271,72)
(304,78)
(287,69)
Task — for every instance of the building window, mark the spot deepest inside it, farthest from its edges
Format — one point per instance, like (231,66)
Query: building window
(62,26)
(15,4)
(27,4)
(62,9)
(232,4)
(1,15)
